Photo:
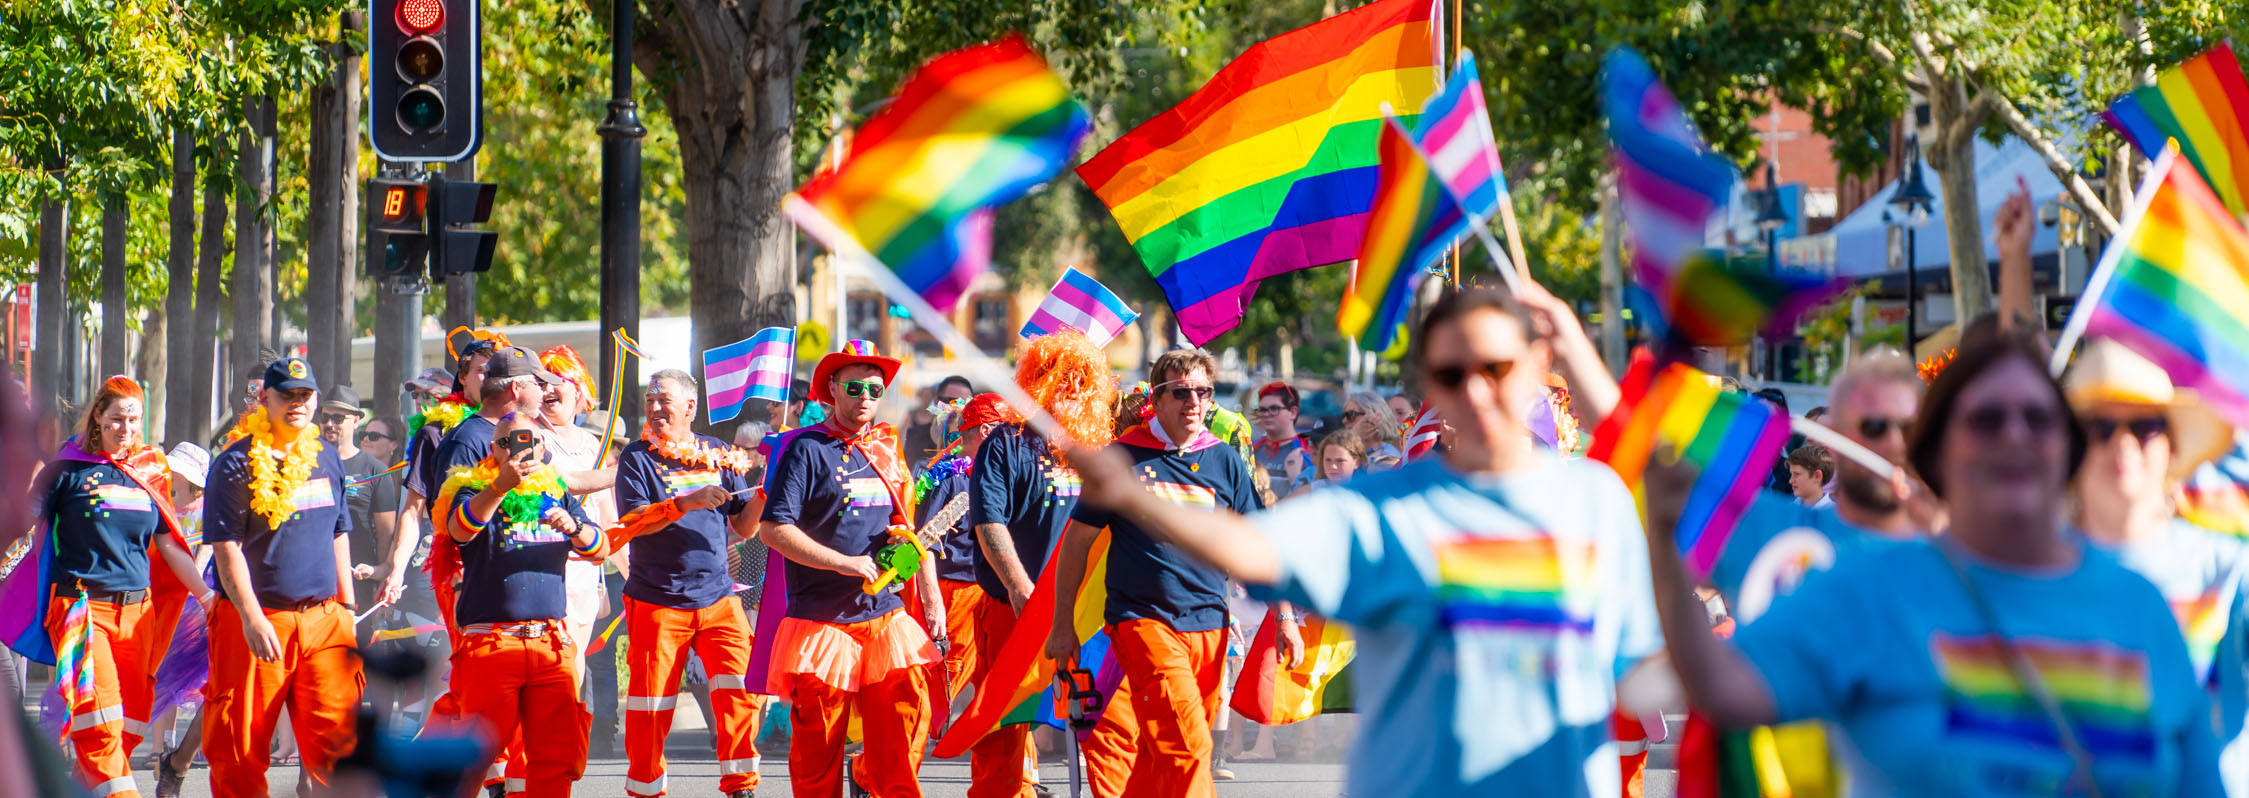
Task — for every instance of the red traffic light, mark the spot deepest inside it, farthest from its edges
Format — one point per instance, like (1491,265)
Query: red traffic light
(421,16)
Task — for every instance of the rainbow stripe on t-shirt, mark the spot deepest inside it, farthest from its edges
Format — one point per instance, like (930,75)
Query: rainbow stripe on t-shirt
(1528,583)
(2103,689)
(866,492)
(686,482)
(1063,482)
(1190,496)
(314,494)
(121,498)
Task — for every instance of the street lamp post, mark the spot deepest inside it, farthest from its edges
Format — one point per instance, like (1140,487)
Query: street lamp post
(1913,199)
(620,207)
(1770,219)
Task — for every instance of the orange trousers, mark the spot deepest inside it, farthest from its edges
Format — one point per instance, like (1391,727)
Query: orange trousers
(893,717)
(721,636)
(106,724)
(527,689)
(996,763)
(964,602)
(1154,735)
(317,677)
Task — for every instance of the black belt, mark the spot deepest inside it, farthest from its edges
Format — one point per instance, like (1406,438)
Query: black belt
(105,596)
(288,606)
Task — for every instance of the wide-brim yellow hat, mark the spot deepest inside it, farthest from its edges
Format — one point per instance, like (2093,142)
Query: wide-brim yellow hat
(2106,372)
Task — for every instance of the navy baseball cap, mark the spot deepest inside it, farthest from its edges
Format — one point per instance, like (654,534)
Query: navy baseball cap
(289,374)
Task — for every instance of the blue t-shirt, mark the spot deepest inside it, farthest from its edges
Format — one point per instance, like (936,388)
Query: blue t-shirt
(840,501)
(1778,542)
(682,566)
(468,444)
(1020,485)
(1890,647)
(298,561)
(103,522)
(1493,615)
(2203,575)
(1154,580)
(513,572)
(956,552)
(421,460)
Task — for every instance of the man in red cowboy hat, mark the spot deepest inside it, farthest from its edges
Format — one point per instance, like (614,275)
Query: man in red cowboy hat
(835,493)
(678,591)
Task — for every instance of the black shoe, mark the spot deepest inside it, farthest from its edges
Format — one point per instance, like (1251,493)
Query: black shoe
(168,778)
(1042,791)
(742,794)
(499,790)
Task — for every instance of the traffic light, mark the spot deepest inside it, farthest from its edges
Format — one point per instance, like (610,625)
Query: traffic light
(453,207)
(425,79)
(397,246)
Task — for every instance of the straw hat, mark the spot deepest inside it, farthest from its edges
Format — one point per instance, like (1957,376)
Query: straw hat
(2107,372)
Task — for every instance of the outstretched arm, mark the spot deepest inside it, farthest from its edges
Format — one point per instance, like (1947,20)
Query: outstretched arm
(1224,539)
(1717,678)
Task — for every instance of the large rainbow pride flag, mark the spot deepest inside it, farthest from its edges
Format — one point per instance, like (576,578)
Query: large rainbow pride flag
(1271,166)
(969,130)
(2203,103)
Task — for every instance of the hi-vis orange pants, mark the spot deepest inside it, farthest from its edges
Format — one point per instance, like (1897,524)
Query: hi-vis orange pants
(996,764)
(877,669)
(527,689)
(317,677)
(964,603)
(721,636)
(1154,735)
(106,725)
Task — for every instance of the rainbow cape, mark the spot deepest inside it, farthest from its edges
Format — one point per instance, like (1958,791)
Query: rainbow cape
(969,130)
(1733,438)
(1275,696)
(2203,104)
(23,597)
(1270,167)
(2174,287)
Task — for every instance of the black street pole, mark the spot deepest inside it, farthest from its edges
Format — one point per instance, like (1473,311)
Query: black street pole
(1912,289)
(620,213)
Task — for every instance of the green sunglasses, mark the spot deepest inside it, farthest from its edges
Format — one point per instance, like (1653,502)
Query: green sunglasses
(871,389)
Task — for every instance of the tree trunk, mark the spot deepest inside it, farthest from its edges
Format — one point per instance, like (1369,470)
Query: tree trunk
(728,73)
(347,225)
(115,216)
(203,368)
(47,296)
(1612,276)
(179,294)
(324,243)
(153,363)
(253,278)
(1953,157)
(460,289)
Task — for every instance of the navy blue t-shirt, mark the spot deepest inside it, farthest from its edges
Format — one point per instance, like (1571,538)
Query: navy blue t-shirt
(513,573)
(298,561)
(682,566)
(1019,484)
(956,551)
(1155,580)
(421,460)
(468,444)
(103,522)
(840,501)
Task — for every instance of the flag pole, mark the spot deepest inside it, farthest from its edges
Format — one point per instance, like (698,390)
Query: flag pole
(2105,272)
(1453,64)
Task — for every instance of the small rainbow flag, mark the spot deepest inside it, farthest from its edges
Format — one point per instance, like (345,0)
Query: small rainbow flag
(1018,686)
(74,672)
(969,130)
(1272,695)
(2203,103)
(2174,287)
(1415,219)
(1270,167)
(2216,495)
(1733,438)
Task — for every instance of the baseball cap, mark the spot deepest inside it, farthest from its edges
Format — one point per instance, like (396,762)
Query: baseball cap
(190,462)
(289,374)
(516,361)
(434,379)
(342,396)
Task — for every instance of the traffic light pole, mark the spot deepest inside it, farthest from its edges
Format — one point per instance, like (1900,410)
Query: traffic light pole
(398,321)
(620,212)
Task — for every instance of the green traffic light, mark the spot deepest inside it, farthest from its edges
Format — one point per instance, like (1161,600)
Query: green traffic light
(420,109)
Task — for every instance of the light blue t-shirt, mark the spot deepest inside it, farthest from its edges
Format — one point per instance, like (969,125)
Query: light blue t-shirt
(1493,615)
(1889,646)
(1774,545)
(2202,574)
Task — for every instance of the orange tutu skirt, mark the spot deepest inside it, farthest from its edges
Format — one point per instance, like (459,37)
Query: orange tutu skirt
(846,656)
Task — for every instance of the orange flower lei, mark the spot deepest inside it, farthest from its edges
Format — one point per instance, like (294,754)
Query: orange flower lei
(1935,364)
(697,453)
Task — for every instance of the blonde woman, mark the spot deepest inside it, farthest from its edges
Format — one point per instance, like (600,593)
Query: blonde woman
(1369,417)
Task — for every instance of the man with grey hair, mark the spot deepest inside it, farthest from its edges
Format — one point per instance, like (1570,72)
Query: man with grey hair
(679,592)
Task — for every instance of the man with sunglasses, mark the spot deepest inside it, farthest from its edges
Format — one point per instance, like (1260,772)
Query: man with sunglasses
(1285,455)
(1166,610)
(373,503)
(844,647)
(1494,588)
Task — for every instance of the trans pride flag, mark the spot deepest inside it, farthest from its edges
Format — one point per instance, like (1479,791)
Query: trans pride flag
(1081,303)
(757,367)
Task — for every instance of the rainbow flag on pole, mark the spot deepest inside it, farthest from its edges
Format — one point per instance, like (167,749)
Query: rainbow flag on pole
(1017,688)
(1733,438)
(1273,695)
(969,130)
(757,367)
(1414,221)
(1081,303)
(1270,167)
(2174,286)
(2203,103)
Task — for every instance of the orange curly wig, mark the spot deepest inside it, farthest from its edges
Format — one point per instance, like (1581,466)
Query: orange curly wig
(1069,376)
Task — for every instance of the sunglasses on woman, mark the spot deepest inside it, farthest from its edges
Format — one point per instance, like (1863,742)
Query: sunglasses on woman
(1990,420)
(1353,415)
(863,388)
(1452,377)
(374,436)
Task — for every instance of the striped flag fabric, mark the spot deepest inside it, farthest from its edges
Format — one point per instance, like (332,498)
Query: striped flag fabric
(971,129)
(1414,220)
(1017,687)
(1270,167)
(626,342)
(2174,287)
(74,672)
(1733,438)
(1081,303)
(1455,132)
(1272,695)
(2203,104)
(1421,438)
(757,367)
(2216,495)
